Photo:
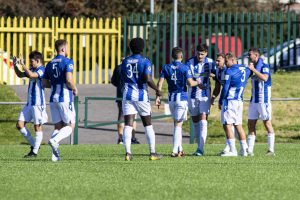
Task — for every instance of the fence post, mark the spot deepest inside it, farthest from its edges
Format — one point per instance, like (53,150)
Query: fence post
(192,134)
(75,139)
(85,112)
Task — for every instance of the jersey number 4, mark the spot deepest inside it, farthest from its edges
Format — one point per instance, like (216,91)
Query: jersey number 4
(132,69)
(174,77)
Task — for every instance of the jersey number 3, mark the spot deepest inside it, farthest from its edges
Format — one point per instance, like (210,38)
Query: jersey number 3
(243,78)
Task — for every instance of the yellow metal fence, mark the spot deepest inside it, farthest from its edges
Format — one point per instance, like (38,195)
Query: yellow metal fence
(95,45)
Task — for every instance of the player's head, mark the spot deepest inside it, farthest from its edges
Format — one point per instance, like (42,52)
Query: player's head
(136,45)
(220,61)
(254,54)
(177,53)
(61,47)
(201,52)
(36,59)
(230,59)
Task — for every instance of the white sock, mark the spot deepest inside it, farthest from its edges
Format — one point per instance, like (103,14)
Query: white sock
(243,146)
(27,135)
(203,134)
(271,141)
(251,142)
(150,135)
(180,142)
(54,133)
(38,141)
(227,147)
(63,133)
(197,132)
(232,145)
(177,136)
(127,134)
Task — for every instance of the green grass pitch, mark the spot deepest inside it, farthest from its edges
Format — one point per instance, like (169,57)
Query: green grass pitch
(100,172)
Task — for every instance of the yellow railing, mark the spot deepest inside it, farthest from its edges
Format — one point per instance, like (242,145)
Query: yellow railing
(95,45)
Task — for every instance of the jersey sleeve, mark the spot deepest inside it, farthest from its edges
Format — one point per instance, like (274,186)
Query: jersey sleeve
(41,72)
(70,66)
(148,68)
(213,67)
(188,73)
(189,62)
(162,72)
(265,69)
(225,88)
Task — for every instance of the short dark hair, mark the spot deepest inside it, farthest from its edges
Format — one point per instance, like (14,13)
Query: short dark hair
(176,51)
(255,50)
(230,55)
(136,45)
(36,55)
(202,47)
(59,43)
(221,55)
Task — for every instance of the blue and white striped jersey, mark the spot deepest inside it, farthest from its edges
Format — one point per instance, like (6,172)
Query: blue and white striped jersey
(203,71)
(220,75)
(56,71)
(235,82)
(36,95)
(176,75)
(261,90)
(133,69)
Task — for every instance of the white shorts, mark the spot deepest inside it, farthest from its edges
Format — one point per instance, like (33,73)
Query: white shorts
(232,112)
(35,114)
(179,110)
(261,111)
(196,106)
(143,108)
(63,111)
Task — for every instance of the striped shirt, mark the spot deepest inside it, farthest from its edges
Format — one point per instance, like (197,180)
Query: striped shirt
(134,68)
(235,82)
(261,90)
(176,75)
(56,71)
(36,95)
(202,71)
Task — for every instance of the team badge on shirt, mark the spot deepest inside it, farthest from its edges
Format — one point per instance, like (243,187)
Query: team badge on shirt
(266,70)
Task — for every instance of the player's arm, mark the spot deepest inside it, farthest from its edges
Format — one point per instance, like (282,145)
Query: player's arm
(115,79)
(70,83)
(151,84)
(159,87)
(261,76)
(216,92)
(69,78)
(19,73)
(225,90)
(191,82)
(213,70)
(28,73)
